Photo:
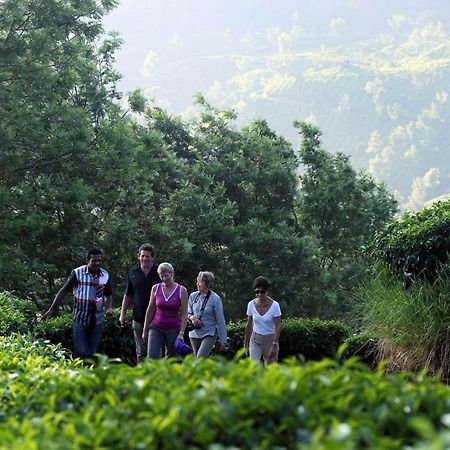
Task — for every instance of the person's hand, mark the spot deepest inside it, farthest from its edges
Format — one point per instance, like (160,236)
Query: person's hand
(110,312)
(195,321)
(274,349)
(123,320)
(181,335)
(247,349)
(145,335)
(223,347)
(49,313)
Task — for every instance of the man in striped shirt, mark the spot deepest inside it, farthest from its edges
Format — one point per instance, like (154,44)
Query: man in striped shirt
(91,286)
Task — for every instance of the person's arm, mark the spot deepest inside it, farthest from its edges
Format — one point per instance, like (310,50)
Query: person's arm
(276,338)
(69,285)
(149,313)
(126,302)
(107,296)
(220,320)
(183,311)
(54,308)
(109,305)
(248,333)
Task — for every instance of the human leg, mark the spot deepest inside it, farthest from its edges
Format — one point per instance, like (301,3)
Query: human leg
(206,345)
(155,340)
(79,340)
(169,341)
(256,350)
(141,345)
(266,343)
(94,335)
(195,344)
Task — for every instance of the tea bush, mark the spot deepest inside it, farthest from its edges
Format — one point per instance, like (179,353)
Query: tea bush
(313,338)
(16,315)
(417,244)
(52,402)
(117,342)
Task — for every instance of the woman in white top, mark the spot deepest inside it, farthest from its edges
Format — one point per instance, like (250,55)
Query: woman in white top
(262,331)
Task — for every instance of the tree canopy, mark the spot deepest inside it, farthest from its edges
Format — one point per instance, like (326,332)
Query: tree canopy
(77,169)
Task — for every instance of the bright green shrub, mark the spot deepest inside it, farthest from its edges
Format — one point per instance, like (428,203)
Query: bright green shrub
(211,403)
(417,244)
(313,338)
(16,315)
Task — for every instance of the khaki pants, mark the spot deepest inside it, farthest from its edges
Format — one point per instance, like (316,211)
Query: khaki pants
(261,346)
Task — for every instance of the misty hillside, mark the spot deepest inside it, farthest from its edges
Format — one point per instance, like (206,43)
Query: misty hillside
(374,76)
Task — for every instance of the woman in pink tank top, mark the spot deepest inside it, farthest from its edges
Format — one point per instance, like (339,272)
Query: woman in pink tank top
(166,315)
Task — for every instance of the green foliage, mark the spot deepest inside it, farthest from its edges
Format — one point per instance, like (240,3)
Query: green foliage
(362,346)
(416,245)
(312,338)
(342,207)
(117,342)
(411,325)
(16,315)
(210,404)
(76,170)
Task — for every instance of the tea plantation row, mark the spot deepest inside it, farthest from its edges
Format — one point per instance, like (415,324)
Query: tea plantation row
(51,401)
(312,338)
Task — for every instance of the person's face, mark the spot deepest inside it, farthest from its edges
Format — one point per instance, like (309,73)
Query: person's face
(145,258)
(260,292)
(201,285)
(94,263)
(165,275)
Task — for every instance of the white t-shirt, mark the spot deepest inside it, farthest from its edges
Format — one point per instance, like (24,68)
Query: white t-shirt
(264,324)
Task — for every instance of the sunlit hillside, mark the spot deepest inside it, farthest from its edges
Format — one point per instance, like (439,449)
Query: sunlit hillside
(373,76)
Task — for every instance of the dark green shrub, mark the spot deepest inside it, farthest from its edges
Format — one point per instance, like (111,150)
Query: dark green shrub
(362,346)
(57,330)
(117,342)
(416,245)
(312,338)
(16,315)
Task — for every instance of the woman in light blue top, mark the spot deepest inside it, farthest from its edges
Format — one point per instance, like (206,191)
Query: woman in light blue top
(205,312)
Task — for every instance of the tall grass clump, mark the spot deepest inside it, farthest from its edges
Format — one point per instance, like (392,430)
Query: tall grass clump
(412,325)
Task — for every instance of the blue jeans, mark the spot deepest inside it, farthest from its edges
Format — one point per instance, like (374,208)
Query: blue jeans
(86,339)
(156,339)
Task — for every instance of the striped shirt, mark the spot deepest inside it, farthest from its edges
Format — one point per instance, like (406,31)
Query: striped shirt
(89,290)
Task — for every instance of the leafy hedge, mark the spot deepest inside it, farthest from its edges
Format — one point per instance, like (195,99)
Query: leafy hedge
(417,244)
(49,401)
(312,338)
(16,315)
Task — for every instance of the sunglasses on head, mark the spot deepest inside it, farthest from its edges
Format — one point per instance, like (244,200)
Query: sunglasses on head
(260,291)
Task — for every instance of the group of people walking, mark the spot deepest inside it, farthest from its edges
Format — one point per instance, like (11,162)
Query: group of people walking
(163,311)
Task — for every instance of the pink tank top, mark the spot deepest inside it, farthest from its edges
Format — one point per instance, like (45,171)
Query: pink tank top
(167,314)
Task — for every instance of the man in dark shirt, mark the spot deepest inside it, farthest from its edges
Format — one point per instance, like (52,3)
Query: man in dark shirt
(137,293)
(91,286)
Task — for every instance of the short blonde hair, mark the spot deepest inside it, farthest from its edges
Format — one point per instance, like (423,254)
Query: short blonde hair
(207,277)
(167,267)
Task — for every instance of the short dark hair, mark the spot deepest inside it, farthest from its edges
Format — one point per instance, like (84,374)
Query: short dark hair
(262,283)
(93,251)
(147,248)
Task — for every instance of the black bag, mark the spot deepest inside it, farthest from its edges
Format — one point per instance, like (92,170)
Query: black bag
(189,325)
